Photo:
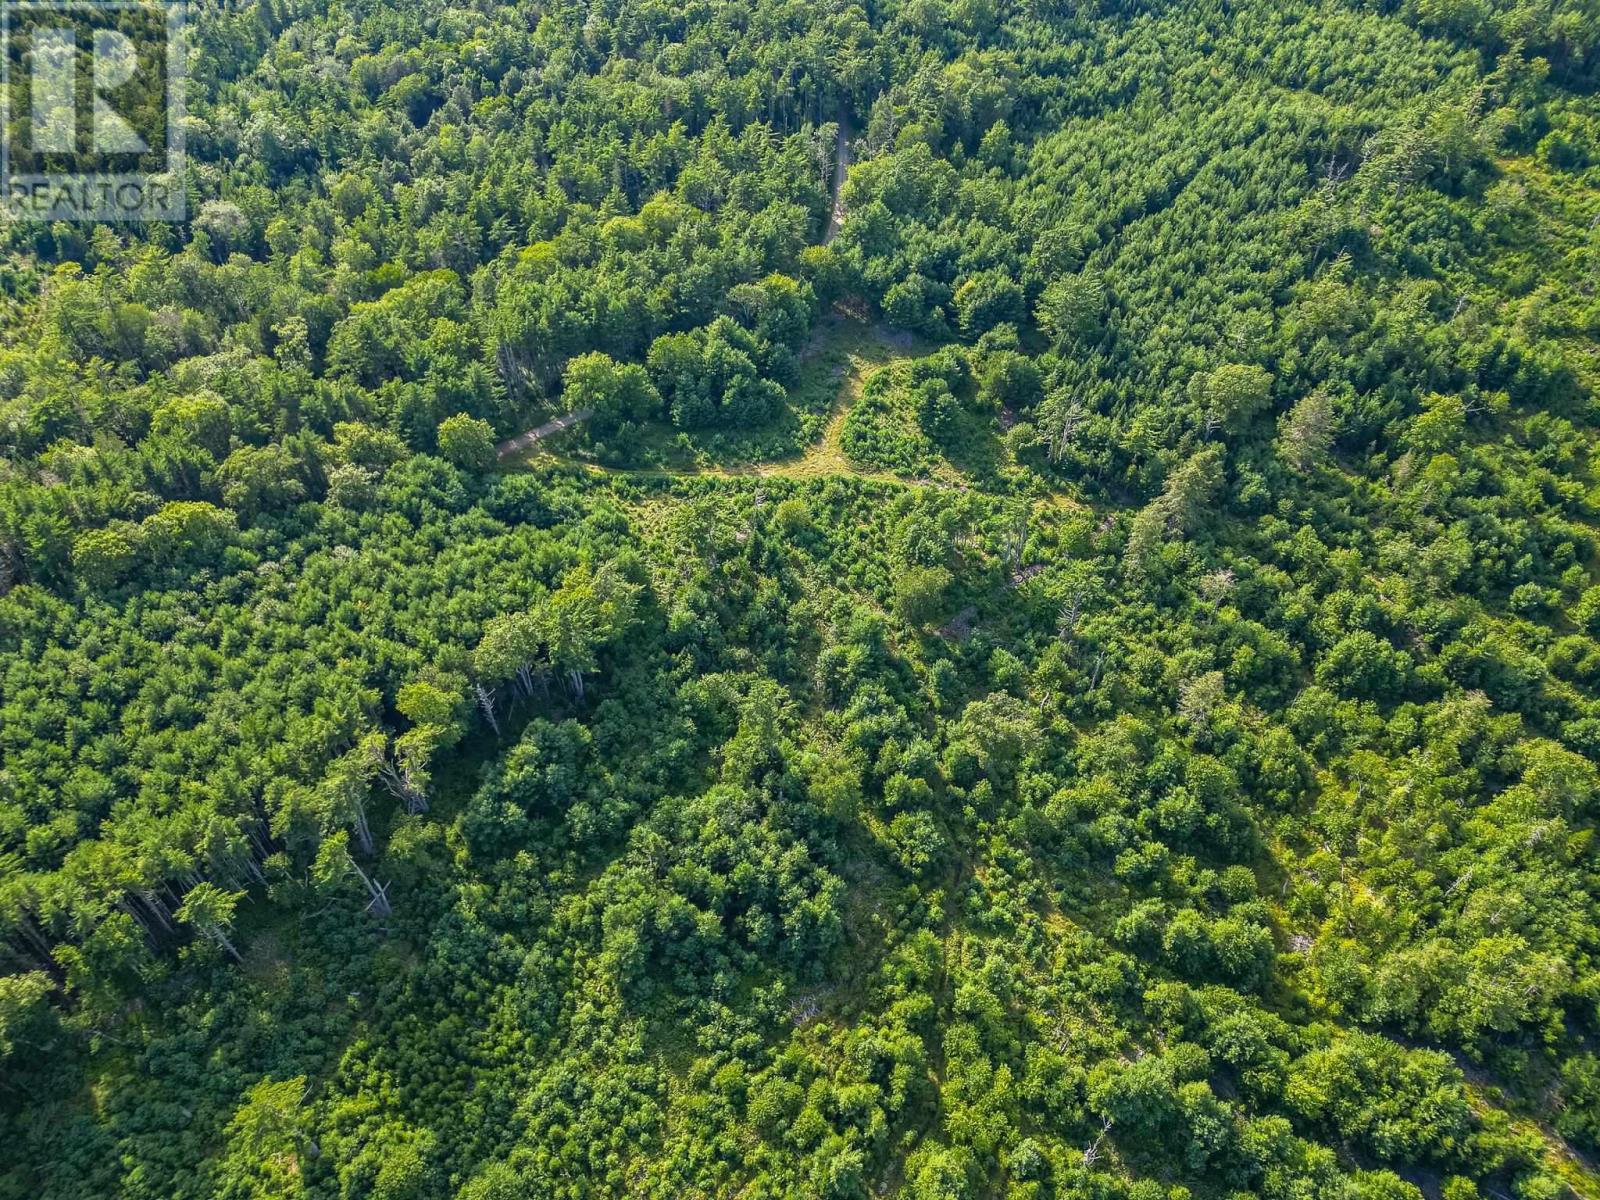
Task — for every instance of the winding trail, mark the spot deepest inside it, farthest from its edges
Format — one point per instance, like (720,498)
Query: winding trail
(840,167)
(527,441)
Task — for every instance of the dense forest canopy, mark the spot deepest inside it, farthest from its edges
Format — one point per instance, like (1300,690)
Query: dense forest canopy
(1047,644)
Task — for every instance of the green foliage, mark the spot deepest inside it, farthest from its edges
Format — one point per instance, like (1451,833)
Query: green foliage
(26,1018)
(921,594)
(1138,752)
(265,1139)
(1402,1105)
(709,377)
(467,441)
(616,395)
(1071,307)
